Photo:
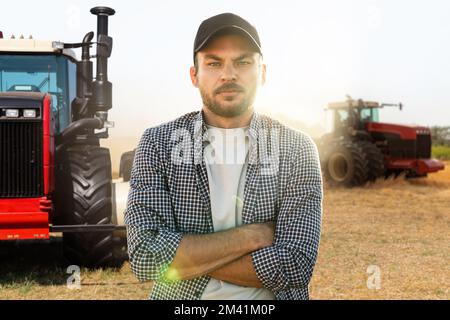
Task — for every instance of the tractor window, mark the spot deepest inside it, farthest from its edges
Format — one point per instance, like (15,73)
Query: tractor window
(341,118)
(40,73)
(369,115)
(72,93)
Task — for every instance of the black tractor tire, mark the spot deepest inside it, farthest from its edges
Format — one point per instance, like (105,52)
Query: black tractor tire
(345,164)
(375,160)
(392,174)
(84,196)
(126,164)
(411,174)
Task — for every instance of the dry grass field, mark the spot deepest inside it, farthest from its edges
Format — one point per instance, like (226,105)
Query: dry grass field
(400,226)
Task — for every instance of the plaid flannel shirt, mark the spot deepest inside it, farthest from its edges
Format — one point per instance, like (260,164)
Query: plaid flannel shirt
(169,197)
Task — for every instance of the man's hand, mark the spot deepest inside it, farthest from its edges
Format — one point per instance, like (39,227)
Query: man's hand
(198,255)
(241,271)
(263,233)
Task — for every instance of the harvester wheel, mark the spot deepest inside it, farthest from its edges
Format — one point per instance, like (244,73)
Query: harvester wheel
(126,163)
(85,197)
(413,175)
(392,174)
(375,160)
(345,165)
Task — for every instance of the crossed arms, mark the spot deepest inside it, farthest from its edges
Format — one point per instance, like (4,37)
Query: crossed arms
(223,255)
(262,254)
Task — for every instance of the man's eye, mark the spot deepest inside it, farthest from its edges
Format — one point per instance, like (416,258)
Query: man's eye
(214,64)
(244,62)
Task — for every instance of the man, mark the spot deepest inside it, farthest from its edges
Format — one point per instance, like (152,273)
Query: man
(203,226)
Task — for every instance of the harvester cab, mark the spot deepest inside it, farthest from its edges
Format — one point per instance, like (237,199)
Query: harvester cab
(360,148)
(351,116)
(54,176)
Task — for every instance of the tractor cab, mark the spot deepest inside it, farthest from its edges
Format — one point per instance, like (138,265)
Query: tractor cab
(45,71)
(354,114)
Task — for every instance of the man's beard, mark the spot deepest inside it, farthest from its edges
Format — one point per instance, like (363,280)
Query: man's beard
(233,110)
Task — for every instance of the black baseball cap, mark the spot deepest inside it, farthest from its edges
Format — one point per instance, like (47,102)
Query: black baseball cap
(225,23)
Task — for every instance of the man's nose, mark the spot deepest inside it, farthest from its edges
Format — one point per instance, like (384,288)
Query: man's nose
(229,72)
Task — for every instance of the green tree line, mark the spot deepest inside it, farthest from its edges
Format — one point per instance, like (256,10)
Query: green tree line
(440,136)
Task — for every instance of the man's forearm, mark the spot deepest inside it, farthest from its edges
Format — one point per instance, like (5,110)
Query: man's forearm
(240,272)
(200,254)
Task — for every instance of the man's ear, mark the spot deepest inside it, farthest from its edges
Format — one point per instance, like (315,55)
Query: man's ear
(263,74)
(193,74)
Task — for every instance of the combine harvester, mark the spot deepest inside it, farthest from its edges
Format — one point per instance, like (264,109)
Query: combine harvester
(360,148)
(54,176)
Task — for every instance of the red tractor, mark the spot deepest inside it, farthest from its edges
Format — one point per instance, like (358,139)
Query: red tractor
(361,149)
(54,176)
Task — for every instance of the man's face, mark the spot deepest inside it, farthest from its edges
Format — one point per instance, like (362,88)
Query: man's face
(228,75)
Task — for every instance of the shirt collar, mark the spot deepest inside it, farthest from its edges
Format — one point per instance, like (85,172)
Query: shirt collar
(200,135)
(201,130)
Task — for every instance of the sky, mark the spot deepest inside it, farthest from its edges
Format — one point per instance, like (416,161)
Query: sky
(316,52)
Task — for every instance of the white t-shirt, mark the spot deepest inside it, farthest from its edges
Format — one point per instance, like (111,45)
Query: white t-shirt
(226,158)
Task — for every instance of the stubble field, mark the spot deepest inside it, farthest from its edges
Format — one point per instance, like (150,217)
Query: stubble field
(387,240)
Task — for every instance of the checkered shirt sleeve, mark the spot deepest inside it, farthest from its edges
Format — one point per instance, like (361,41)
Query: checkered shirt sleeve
(152,241)
(289,263)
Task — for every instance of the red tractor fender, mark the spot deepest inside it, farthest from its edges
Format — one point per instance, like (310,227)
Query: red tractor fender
(405,132)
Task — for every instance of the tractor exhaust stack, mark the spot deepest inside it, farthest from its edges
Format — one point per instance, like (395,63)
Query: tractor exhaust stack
(101,87)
